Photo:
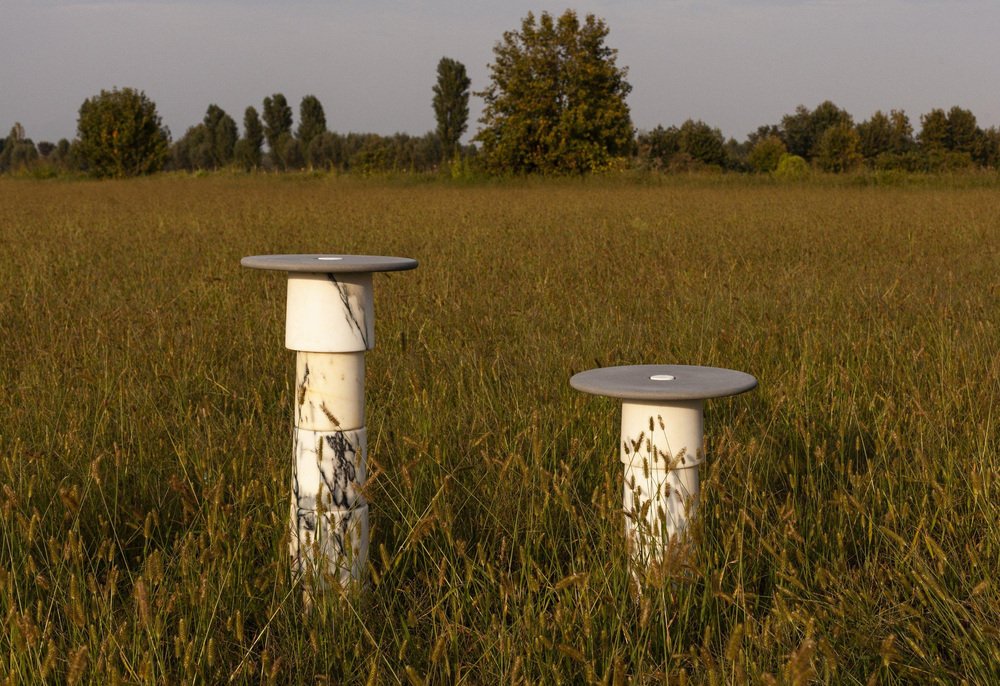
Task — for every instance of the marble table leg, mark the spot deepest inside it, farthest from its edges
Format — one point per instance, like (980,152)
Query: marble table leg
(662,445)
(329,323)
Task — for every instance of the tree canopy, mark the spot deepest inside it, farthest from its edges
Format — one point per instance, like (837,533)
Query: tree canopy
(120,134)
(556,99)
(17,150)
(803,130)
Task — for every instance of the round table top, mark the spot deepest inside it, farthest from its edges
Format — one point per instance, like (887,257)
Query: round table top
(327,264)
(663,382)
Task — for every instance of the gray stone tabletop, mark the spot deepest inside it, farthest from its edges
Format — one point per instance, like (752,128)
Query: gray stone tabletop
(663,382)
(328,264)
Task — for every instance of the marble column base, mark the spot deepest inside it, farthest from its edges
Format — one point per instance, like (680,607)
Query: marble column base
(658,504)
(329,547)
(329,514)
(661,447)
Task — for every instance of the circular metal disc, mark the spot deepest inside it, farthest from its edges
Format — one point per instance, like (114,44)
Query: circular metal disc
(326,264)
(662,382)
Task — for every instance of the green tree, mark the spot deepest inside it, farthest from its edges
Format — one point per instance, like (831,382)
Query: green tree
(826,116)
(61,155)
(875,136)
(248,148)
(902,133)
(193,150)
(989,148)
(886,137)
(766,131)
(451,104)
(325,151)
(312,120)
(277,123)
(657,147)
(703,143)
(290,153)
(120,134)
(802,130)
(963,131)
(838,149)
(18,151)
(556,99)
(934,130)
(796,130)
(222,135)
(766,153)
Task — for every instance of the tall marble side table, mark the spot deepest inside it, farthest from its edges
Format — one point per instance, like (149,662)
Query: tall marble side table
(662,444)
(330,324)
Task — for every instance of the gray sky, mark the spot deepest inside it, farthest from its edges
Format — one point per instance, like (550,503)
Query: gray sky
(735,64)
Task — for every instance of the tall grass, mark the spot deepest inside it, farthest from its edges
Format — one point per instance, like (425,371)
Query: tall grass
(848,530)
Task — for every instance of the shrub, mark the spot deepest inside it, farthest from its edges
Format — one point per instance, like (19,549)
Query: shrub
(767,153)
(791,168)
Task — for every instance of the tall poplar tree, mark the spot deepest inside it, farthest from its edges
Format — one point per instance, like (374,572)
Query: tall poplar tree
(248,151)
(312,120)
(277,123)
(451,104)
(222,135)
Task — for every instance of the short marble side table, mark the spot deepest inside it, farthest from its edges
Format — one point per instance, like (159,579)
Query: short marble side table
(330,323)
(662,444)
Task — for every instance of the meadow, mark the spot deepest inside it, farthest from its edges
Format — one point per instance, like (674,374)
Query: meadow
(848,530)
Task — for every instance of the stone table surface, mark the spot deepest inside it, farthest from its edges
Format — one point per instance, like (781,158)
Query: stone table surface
(329,264)
(663,382)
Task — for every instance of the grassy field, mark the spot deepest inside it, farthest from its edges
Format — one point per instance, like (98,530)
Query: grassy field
(848,532)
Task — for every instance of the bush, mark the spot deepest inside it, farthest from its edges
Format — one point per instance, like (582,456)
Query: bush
(791,168)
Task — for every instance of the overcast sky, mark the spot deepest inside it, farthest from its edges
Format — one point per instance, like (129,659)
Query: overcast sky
(736,64)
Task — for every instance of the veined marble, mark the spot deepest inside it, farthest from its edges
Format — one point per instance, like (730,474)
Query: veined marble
(331,544)
(330,468)
(329,515)
(329,323)
(330,313)
(329,391)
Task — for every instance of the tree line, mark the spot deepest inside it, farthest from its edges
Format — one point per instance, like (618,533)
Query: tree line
(827,139)
(555,104)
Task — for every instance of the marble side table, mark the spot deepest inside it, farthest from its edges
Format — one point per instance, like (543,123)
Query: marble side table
(330,324)
(662,444)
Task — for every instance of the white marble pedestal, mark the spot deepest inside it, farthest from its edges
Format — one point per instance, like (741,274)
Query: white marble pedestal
(330,324)
(662,444)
